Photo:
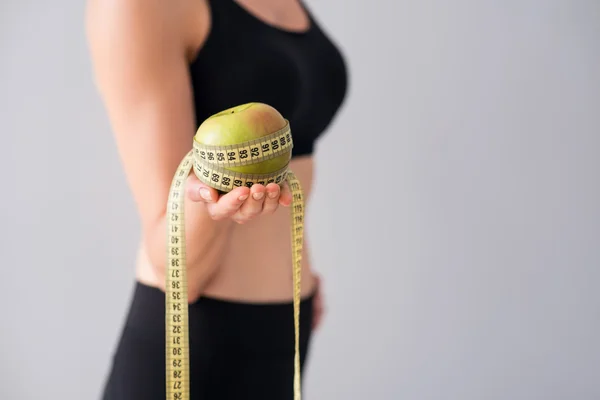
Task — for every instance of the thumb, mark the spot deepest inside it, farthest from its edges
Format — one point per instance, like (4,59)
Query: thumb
(200,192)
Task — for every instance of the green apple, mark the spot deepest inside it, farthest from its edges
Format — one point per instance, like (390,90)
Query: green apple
(239,124)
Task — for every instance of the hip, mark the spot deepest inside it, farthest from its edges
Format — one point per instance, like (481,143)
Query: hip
(233,346)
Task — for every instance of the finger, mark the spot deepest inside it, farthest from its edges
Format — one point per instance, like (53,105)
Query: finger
(318,307)
(317,317)
(317,279)
(229,203)
(272,198)
(200,192)
(285,198)
(253,206)
(319,311)
(316,320)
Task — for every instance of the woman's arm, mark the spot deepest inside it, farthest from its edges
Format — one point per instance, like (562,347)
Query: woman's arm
(139,59)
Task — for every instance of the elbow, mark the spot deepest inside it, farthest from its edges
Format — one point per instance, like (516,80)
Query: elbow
(201,261)
(158,259)
(155,248)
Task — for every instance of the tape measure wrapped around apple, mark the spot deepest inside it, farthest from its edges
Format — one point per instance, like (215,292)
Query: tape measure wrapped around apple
(241,146)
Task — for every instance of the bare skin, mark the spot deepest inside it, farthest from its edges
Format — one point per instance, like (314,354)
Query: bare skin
(140,51)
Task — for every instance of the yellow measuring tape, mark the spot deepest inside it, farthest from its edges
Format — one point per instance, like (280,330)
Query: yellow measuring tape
(209,164)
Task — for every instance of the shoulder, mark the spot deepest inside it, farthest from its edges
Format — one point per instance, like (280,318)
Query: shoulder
(126,21)
(155,26)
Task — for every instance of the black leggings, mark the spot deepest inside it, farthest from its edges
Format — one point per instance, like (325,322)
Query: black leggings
(237,350)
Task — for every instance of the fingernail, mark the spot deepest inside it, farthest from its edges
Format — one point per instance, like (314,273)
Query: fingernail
(258,195)
(205,193)
(272,194)
(243,197)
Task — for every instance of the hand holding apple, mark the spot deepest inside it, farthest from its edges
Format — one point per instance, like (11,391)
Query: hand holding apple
(242,204)
(234,126)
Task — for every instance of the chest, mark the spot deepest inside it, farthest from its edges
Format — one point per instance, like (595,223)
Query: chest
(302,75)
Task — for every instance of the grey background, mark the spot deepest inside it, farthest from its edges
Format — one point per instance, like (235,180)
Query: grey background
(460,263)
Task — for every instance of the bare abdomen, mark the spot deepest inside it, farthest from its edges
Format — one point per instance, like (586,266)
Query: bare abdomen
(257,263)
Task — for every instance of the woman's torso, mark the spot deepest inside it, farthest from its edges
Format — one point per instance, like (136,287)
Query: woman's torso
(243,52)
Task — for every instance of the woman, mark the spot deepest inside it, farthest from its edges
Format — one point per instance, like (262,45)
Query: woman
(162,68)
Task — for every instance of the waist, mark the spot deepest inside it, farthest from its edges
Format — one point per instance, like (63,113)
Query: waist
(258,262)
(245,276)
(253,268)
(236,326)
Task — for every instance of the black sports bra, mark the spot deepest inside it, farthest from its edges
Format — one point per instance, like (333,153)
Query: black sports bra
(302,74)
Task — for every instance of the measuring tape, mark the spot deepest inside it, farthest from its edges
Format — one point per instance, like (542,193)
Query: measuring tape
(210,164)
